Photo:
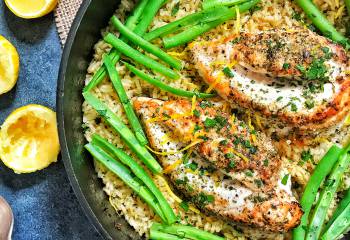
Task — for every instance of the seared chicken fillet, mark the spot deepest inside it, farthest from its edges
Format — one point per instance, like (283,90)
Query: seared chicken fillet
(294,79)
(236,186)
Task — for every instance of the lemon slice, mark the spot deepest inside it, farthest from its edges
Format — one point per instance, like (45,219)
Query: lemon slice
(31,8)
(9,65)
(29,139)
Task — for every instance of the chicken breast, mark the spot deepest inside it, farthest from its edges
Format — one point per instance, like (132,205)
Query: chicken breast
(292,79)
(207,176)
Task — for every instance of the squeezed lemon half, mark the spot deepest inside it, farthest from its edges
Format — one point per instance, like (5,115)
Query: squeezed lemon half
(31,8)
(29,139)
(9,65)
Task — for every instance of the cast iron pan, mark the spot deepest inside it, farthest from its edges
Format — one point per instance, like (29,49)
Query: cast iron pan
(85,32)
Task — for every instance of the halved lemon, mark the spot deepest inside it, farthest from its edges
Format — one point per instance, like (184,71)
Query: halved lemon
(31,8)
(9,65)
(29,139)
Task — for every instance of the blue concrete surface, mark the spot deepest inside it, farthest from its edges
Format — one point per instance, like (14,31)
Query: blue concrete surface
(44,204)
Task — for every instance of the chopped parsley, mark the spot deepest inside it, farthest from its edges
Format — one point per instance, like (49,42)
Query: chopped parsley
(209,123)
(285,179)
(223,142)
(166,115)
(329,182)
(249,173)
(229,155)
(204,199)
(196,128)
(184,206)
(228,73)
(309,104)
(193,166)
(253,150)
(102,112)
(296,16)
(286,66)
(236,40)
(317,70)
(279,98)
(232,164)
(258,183)
(205,104)
(203,137)
(217,121)
(293,107)
(305,156)
(196,113)
(175,9)
(266,162)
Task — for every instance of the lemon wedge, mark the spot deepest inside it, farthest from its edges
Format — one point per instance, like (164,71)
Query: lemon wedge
(29,139)
(9,65)
(31,8)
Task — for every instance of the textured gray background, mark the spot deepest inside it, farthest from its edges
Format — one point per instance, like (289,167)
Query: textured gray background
(44,204)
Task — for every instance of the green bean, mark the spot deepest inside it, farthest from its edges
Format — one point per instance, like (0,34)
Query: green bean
(156,235)
(126,135)
(192,19)
(139,57)
(139,172)
(125,175)
(148,16)
(164,87)
(146,9)
(114,54)
(347,4)
(321,22)
(193,32)
(322,169)
(139,41)
(185,231)
(213,3)
(330,187)
(339,226)
(341,206)
(129,111)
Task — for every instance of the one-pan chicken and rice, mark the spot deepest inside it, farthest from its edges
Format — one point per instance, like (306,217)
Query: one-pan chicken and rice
(224,119)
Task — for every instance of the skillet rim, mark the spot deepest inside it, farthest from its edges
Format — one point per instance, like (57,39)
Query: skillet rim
(65,156)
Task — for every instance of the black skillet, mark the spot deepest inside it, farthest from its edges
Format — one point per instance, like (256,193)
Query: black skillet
(85,32)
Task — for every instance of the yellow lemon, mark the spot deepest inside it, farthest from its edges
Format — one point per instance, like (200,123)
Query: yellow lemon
(31,8)
(9,65)
(29,139)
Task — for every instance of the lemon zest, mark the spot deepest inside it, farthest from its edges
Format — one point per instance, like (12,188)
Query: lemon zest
(113,205)
(347,121)
(173,195)
(194,101)
(251,128)
(233,118)
(339,12)
(239,155)
(177,54)
(173,116)
(171,167)
(258,122)
(175,152)
(217,80)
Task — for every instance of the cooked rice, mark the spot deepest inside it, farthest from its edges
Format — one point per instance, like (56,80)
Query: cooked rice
(273,14)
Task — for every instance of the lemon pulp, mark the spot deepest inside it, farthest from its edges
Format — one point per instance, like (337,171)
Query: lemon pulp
(29,139)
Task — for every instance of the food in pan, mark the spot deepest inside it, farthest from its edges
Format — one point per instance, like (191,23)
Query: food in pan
(223,119)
